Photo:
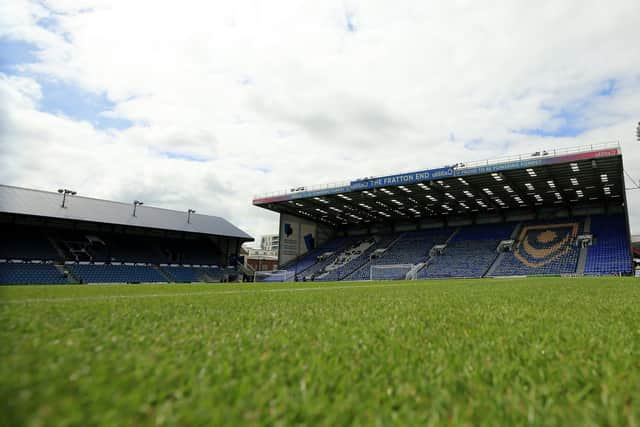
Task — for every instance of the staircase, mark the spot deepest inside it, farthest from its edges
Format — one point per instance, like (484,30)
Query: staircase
(501,255)
(495,265)
(70,277)
(246,270)
(164,274)
(582,256)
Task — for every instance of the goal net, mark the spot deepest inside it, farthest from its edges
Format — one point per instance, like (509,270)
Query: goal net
(274,276)
(390,271)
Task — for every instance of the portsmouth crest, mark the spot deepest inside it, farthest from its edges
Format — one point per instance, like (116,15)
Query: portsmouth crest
(541,244)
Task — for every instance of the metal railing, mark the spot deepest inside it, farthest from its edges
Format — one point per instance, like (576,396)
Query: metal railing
(461,165)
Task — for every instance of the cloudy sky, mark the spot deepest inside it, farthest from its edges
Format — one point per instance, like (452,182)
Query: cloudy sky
(202,104)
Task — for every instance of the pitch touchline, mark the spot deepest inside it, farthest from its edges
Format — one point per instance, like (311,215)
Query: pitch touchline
(182,294)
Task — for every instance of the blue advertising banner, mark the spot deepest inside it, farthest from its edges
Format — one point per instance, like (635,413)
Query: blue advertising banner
(403,179)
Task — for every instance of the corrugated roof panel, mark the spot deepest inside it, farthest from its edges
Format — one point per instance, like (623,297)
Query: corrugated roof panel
(26,201)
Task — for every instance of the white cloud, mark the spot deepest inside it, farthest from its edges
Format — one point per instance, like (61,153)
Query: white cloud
(284,86)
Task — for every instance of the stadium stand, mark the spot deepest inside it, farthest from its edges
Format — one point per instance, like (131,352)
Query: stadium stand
(540,203)
(469,253)
(542,247)
(609,253)
(98,241)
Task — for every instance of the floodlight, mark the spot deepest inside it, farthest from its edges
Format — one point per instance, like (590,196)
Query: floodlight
(64,193)
(136,203)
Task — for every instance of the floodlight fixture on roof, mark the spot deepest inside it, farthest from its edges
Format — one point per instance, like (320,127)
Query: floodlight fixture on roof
(136,203)
(65,192)
(575,167)
(531,172)
(387,191)
(497,176)
(189,212)
(574,181)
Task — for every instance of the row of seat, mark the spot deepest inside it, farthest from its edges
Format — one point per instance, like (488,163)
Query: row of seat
(46,273)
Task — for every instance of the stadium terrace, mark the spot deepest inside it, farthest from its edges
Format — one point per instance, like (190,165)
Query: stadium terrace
(544,213)
(57,238)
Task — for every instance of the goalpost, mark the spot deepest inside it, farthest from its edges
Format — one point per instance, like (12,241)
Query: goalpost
(274,276)
(390,271)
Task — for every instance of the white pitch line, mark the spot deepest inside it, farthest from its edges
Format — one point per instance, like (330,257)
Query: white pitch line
(186,294)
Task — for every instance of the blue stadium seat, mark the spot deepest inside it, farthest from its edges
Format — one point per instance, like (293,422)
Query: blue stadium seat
(109,273)
(28,273)
(470,252)
(610,252)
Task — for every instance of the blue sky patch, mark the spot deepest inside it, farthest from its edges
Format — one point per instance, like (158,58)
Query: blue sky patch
(571,119)
(58,97)
(73,102)
(14,53)
(175,155)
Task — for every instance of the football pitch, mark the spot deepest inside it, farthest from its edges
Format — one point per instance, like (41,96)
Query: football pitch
(546,351)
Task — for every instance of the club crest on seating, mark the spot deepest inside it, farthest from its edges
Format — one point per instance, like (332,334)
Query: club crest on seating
(541,244)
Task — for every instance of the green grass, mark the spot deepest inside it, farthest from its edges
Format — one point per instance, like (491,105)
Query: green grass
(467,352)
